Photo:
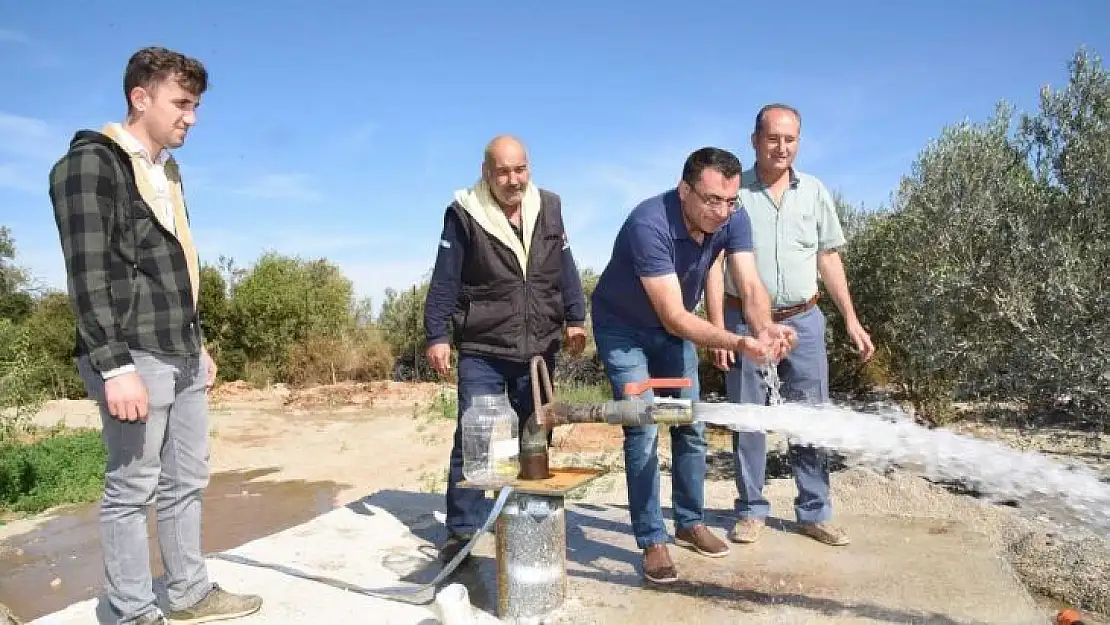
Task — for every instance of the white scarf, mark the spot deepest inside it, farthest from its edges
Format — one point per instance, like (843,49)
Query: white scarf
(478,201)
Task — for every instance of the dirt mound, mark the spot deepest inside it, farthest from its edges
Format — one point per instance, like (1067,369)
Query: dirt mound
(240,391)
(384,394)
(587,437)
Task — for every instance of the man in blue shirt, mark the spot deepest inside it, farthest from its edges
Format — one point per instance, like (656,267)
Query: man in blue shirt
(644,326)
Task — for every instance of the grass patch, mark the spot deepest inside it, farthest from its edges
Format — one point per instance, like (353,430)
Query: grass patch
(445,405)
(583,393)
(60,468)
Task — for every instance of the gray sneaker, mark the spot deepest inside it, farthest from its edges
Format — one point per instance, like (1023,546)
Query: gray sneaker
(217,605)
(154,618)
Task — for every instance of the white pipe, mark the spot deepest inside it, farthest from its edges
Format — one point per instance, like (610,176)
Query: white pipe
(454,606)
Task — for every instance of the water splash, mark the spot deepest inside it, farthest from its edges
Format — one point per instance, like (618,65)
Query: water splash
(1070,494)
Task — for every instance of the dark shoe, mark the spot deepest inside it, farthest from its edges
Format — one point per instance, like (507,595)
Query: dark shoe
(658,566)
(217,605)
(825,533)
(451,548)
(747,531)
(699,538)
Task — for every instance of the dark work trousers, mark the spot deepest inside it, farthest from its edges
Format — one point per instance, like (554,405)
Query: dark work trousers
(467,508)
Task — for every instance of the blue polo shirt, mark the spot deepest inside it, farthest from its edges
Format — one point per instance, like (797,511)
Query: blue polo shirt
(654,241)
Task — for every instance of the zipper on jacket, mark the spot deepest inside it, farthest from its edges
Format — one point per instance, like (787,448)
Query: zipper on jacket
(169,235)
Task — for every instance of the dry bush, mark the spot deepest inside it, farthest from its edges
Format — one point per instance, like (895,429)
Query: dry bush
(359,355)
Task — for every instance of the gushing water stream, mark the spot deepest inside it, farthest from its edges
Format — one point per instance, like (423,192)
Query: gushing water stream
(1069,494)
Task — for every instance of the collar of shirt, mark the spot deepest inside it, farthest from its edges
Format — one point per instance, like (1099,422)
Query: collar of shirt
(755,183)
(133,146)
(673,206)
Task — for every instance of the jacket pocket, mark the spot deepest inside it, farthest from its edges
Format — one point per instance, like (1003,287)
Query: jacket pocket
(491,323)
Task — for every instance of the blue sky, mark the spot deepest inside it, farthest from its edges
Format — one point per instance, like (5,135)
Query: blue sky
(342,130)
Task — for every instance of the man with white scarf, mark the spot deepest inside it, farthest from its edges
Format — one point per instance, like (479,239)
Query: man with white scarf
(506,280)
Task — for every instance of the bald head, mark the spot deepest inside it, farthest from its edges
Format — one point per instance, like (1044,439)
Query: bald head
(505,169)
(502,147)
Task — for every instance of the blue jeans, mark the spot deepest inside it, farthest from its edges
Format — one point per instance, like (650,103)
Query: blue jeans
(632,355)
(467,508)
(804,375)
(163,463)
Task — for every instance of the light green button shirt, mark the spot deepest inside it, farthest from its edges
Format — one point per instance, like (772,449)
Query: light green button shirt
(787,238)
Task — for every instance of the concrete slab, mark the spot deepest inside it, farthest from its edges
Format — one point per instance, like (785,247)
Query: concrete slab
(897,570)
(359,544)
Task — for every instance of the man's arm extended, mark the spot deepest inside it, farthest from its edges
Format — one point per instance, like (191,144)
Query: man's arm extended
(757,302)
(652,259)
(715,292)
(82,190)
(665,295)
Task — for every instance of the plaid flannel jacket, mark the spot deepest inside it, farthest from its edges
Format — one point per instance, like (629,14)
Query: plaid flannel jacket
(128,279)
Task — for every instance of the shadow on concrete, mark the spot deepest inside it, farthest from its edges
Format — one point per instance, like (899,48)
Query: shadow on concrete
(417,512)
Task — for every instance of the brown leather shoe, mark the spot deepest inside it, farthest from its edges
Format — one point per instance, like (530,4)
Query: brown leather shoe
(747,531)
(658,566)
(699,538)
(825,533)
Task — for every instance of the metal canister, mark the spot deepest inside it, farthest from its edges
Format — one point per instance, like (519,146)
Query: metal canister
(531,556)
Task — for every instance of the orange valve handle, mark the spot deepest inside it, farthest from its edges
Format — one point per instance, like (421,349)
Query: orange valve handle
(1069,617)
(632,389)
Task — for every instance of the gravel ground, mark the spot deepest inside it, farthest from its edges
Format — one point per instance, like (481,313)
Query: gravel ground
(1072,568)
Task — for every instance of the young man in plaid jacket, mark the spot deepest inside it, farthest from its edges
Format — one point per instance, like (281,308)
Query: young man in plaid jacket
(133,282)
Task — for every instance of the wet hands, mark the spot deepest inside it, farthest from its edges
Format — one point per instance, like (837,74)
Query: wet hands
(770,345)
(723,359)
(782,339)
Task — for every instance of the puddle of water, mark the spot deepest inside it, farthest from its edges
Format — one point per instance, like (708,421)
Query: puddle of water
(237,510)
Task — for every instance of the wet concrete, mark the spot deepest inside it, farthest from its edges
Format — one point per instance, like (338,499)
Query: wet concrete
(237,510)
(898,569)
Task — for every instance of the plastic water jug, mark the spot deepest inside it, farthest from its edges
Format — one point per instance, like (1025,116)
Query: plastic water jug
(491,443)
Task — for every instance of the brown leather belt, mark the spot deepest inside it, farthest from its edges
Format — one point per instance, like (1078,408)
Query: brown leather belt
(777,314)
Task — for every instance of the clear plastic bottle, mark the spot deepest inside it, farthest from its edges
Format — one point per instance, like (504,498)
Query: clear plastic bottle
(490,440)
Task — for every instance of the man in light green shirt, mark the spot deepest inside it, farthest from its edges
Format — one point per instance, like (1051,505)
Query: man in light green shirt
(796,233)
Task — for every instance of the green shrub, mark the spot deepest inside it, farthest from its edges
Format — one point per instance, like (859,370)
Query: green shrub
(59,469)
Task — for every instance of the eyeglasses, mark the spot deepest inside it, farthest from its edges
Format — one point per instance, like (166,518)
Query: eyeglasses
(715,201)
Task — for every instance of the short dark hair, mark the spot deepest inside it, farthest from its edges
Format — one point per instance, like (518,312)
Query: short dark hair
(152,65)
(777,106)
(717,159)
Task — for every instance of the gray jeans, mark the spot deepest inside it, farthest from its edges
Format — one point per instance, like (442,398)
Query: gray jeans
(805,378)
(164,462)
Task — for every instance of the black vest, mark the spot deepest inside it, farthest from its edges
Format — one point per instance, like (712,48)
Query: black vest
(500,312)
